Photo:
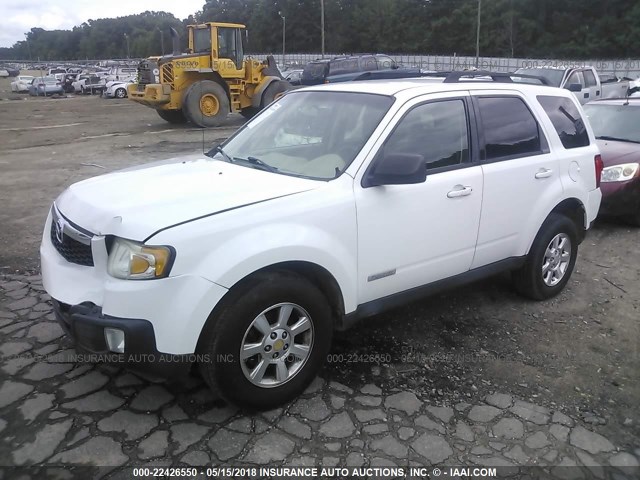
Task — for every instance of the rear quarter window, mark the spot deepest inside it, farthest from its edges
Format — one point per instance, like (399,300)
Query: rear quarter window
(566,119)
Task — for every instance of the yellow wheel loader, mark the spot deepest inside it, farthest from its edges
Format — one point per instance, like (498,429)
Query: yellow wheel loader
(210,80)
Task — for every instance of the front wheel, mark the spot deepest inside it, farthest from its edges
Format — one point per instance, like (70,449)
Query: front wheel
(206,104)
(268,342)
(121,93)
(274,91)
(551,259)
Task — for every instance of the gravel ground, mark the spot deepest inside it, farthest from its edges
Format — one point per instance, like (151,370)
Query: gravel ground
(576,355)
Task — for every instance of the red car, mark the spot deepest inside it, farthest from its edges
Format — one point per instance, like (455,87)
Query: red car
(616,124)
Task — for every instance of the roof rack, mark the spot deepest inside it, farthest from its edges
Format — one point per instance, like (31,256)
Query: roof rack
(499,77)
(449,76)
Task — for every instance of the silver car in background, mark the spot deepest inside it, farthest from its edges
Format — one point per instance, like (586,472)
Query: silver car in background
(46,86)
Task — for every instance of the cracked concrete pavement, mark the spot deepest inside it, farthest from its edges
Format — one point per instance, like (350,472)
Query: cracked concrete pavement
(64,414)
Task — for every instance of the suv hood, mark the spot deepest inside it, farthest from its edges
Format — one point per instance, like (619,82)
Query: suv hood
(137,202)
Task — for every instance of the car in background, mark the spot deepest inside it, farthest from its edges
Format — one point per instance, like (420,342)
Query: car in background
(341,69)
(121,73)
(616,124)
(56,71)
(21,83)
(585,83)
(89,83)
(117,89)
(67,82)
(294,77)
(45,86)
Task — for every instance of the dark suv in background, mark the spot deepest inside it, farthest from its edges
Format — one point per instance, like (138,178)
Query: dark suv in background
(342,69)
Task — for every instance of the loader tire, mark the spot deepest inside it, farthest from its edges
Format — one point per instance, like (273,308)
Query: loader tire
(172,116)
(274,91)
(206,104)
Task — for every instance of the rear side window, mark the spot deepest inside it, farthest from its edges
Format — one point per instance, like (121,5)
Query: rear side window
(344,66)
(566,120)
(510,129)
(589,79)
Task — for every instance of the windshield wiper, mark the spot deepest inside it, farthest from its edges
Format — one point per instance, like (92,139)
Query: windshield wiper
(257,163)
(616,139)
(220,150)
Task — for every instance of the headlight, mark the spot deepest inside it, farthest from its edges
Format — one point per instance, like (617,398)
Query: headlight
(620,173)
(135,261)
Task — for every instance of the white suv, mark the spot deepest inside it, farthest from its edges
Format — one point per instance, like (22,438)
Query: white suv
(333,204)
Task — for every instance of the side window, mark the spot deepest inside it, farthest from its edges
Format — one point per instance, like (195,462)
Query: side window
(576,77)
(437,131)
(566,120)
(385,63)
(339,67)
(589,79)
(510,129)
(368,63)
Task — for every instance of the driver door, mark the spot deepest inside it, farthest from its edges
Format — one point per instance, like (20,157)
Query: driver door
(230,53)
(412,235)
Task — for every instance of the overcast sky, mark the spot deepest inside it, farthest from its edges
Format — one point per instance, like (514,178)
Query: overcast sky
(19,16)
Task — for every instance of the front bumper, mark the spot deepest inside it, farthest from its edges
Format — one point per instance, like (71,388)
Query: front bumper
(85,325)
(151,95)
(176,308)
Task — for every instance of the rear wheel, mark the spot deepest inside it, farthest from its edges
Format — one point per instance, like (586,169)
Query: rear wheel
(551,259)
(172,116)
(206,104)
(268,342)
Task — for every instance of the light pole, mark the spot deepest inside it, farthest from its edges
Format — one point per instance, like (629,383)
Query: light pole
(284,38)
(322,24)
(478,35)
(126,38)
(161,40)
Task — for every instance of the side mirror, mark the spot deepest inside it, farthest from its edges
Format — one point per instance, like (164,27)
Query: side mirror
(574,87)
(397,169)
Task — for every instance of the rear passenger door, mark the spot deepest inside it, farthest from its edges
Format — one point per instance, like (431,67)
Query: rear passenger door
(520,175)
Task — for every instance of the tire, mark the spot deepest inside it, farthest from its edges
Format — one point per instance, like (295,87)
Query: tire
(172,116)
(206,104)
(558,234)
(249,112)
(121,93)
(234,325)
(274,90)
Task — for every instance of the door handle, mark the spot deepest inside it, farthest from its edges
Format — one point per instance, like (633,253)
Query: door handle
(460,191)
(544,173)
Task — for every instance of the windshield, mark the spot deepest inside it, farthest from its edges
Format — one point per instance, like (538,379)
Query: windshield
(615,121)
(201,40)
(554,77)
(308,134)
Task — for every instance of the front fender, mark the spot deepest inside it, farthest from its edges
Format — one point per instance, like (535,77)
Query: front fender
(256,100)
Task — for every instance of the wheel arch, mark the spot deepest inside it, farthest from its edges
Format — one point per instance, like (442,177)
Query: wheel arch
(575,210)
(256,100)
(314,273)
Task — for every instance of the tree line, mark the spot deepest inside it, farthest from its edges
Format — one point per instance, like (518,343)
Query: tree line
(573,29)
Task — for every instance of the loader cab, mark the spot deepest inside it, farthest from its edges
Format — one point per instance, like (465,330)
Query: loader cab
(223,41)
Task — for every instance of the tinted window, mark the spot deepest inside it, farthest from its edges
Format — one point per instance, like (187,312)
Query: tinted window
(554,77)
(343,66)
(437,131)
(385,63)
(589,79)
(510,130)
(368,63)
(566,120)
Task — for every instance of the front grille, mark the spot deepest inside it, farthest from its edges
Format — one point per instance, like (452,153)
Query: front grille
(71,250)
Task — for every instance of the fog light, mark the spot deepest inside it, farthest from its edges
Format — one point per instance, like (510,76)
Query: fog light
(115,339)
